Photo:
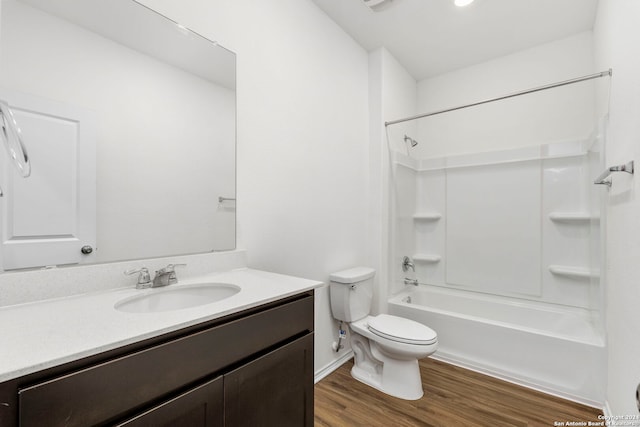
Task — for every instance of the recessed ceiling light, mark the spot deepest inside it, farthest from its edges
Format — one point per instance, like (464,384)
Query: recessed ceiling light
(462,3)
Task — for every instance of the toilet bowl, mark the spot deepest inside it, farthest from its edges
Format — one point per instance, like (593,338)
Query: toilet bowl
(386,348)
(390,364)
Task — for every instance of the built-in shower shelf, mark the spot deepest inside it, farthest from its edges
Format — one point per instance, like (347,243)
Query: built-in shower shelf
(428,258)
(572,217)
(427,216)
(573,272)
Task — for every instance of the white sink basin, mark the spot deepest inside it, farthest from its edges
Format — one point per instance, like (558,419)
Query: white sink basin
(177,297)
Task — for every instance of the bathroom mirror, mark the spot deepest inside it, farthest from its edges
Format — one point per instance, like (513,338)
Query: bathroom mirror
(129,121)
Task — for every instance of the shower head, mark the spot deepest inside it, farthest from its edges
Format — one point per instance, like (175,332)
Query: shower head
(410,140)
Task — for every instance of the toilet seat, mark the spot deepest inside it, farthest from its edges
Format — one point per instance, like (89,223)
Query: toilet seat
(401,330)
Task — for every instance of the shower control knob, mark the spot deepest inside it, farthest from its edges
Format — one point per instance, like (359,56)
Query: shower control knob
(86,250)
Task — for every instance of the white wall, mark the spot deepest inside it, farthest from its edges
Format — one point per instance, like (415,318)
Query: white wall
(558,114)
(616,35)
(392,94)
(303,155)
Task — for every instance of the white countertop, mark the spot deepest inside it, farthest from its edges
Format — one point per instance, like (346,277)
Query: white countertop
(43,334)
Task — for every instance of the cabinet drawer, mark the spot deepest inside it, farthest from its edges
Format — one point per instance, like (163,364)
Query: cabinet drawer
(114,388)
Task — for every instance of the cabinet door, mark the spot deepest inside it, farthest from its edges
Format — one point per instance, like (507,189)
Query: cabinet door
(198,407)
(273,390)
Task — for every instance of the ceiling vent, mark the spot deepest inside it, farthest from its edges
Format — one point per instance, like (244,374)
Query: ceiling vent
(377,5)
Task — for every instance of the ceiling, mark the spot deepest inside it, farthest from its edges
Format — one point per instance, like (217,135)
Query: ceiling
(431,37)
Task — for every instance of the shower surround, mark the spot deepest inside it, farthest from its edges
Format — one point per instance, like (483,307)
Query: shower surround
(506,247)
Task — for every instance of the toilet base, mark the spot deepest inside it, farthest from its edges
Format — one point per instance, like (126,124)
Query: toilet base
(407,393)
(398,378)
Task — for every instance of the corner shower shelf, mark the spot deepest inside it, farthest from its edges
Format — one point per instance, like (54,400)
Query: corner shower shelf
(428,258)
(573,272)
(572,217)
(427,216)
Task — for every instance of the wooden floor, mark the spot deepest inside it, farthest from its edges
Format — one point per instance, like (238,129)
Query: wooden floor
(452,397)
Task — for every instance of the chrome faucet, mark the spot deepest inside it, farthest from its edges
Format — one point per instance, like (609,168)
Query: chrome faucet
(144,279)
(408,281)
(407,264)
(166,276)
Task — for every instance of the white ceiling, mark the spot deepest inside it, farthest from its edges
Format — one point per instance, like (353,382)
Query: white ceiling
(430,37)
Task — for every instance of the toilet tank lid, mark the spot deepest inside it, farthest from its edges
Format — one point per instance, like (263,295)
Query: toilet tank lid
(352,275)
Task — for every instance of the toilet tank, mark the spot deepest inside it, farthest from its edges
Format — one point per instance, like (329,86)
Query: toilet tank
(351,292)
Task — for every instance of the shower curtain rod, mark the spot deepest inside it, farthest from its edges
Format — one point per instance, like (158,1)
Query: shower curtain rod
(499,98)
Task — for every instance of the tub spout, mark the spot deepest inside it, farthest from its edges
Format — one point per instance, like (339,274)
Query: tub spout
(408,281)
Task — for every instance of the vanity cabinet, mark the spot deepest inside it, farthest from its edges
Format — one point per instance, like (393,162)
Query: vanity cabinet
(202,406)
(253,368)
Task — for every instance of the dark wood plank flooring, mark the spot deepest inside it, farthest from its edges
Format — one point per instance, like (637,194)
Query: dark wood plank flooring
(453,397)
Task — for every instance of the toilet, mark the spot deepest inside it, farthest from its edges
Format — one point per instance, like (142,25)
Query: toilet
(386,348)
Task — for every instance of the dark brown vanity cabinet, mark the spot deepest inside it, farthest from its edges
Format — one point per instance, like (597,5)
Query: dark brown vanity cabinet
(202,406)
(253,368)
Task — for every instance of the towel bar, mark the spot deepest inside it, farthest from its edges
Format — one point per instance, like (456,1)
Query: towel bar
(602,178)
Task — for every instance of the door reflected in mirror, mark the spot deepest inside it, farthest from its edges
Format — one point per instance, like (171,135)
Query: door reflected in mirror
(129,120)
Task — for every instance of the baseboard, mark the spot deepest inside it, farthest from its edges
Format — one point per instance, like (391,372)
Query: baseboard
(606,410)
(505,376)
(329,368)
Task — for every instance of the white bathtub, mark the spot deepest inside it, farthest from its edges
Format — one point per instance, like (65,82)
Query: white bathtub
(557,350)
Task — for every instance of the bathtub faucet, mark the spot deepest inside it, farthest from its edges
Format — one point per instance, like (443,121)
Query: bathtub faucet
(408,281)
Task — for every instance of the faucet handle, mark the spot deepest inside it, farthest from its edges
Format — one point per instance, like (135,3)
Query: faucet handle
(166,275)
(407,263)
(170,268)
(144,278)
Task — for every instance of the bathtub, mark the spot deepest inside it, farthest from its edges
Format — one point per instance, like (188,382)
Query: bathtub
(554,349)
